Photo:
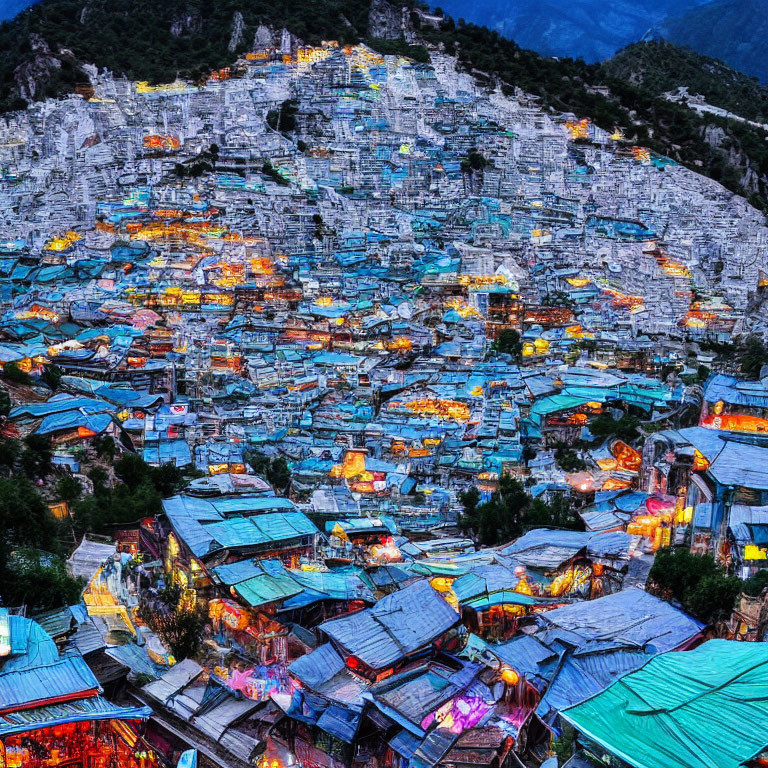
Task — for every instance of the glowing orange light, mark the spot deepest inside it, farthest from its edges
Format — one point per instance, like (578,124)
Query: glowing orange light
(509,676)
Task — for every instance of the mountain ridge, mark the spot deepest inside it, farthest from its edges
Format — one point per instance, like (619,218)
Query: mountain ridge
(734,31)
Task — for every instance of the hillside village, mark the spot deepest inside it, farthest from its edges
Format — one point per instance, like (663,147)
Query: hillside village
(440,378)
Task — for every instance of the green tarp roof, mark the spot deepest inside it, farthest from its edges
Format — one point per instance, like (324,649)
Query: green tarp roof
(706,708)
(268,588)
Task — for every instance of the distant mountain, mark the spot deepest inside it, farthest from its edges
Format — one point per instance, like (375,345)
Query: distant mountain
(591,29)
(10,8)
(735,31)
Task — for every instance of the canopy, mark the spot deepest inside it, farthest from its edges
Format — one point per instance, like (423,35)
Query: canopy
(94,708)
(692,709)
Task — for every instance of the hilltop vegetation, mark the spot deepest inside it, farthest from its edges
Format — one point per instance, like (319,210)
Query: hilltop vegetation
(658,66)
(732,30)
(150,40)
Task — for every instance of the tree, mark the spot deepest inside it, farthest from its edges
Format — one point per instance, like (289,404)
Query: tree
(275,471)
(132,470)
(105,447)
(558,514)
(568,459)
(5,402)
(284,118)
(178,625)
(14,374)
(25,519)
(167,479)
(500,518)
(278,474)
(39,581)
(696,582)
(51,376)
(625,428)
(713,598)
(474,161)
(9,453)
(270,171)
(69,488)
(120,505)
(259,462)
(753,357)
(755,584)
(30,571)
(470,500)
(37,456)
(508,342)
(100,479)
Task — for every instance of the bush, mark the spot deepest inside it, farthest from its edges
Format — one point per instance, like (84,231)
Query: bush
(51,376)
(510,511)
(713,598)
(752,357)
(398,47)
(31,573)
(178,625)
(755,584)
(100,479)
(625,428)
(14,374)
(275,471)
(39,581)
(69,488)
(508,341)
(569,460)
(37,456)
(697,582)
(271,172)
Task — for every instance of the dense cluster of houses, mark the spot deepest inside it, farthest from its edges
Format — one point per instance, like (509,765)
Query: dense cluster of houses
(316,256)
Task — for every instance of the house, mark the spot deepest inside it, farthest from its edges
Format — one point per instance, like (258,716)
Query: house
(53,702)
(577,650)
(192,710)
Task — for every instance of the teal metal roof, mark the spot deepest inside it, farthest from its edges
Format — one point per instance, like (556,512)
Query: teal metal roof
(207,525)
(690,709)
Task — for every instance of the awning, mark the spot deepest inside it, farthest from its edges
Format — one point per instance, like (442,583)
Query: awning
(94,708)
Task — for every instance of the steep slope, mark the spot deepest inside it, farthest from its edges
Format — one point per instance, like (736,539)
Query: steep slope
(732,30)
(659,66)
(158,40)
(733,153)
(151,39)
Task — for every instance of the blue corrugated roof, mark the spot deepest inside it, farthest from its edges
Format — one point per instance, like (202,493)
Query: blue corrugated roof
(206,525)
(34,672)
(384,634)
(94,708)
